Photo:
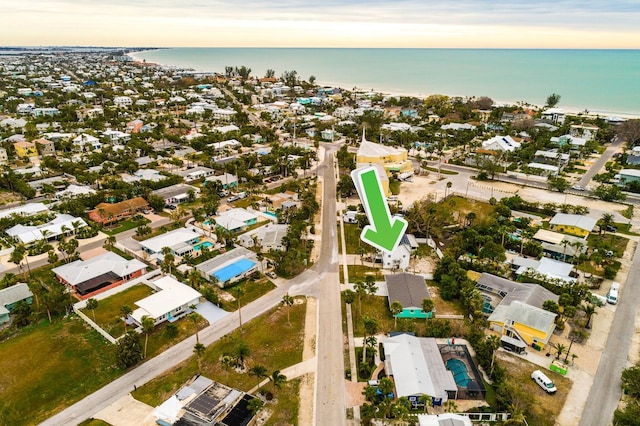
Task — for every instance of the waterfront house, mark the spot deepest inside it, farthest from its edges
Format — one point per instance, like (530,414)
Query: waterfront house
(410,290)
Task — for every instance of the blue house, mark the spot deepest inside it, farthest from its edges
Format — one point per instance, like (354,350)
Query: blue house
(10,296)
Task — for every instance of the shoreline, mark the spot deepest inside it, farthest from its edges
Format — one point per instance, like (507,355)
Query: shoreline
(569,110)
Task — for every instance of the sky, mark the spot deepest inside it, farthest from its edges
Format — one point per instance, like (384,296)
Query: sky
(324,23)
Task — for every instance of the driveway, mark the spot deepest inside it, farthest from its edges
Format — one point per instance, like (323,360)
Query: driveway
(211,312)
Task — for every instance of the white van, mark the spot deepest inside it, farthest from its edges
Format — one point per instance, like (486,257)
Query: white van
(544,382)
(612,295)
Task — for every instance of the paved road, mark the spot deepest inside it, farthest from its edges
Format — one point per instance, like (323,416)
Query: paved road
(321,280)
(605,391)
(600,162)
(330,380)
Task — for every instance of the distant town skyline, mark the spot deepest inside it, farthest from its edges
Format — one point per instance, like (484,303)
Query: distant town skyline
(332,23)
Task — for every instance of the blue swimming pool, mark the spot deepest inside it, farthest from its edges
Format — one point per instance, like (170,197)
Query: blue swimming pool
(233,270)
(205,244)
(273,215)
(460,373)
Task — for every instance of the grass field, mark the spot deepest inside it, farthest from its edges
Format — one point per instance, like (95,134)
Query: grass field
(252,291)
(274,350)
(352,238)
(125,225)
(461,206)
(47,367)
(540,408)
(108,315)
(287,404)
(359,273)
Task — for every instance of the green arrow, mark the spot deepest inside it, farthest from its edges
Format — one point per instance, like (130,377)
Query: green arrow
(383,231)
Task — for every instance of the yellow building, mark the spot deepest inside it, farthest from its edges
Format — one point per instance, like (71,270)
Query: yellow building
(25,149)
(385,158)
(532,325)
(573,224)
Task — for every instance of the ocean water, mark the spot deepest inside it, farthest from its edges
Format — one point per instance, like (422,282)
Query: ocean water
(600,81)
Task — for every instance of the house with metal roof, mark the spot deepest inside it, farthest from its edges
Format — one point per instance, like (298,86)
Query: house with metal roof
(176,194)
(501,143)
(170,302)
(560,246)
(446,419)
(410,290)
(417,368)
(10,296)
(25,210)
(62,224)
(574,224)
(87,278)
(531,324)
(501,291)
(236,219)
(545,267)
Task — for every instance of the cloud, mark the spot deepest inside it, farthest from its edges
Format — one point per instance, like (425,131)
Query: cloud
(362,20)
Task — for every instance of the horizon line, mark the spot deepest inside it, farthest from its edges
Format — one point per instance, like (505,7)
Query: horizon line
(311,47)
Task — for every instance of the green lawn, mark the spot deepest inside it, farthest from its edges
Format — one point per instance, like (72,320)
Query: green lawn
(352,238)
(287,404)
(125,225)
(274,350)
(359,273)
(94,422)
(253,289)
(108,315)
(463,206)
(246,202)
(442,171)
(612,242)
(47,367)
(120,253)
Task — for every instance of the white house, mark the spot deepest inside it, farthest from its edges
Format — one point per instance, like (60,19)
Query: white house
(170,302)
(61,224)
(237,219)
(87,142)
(556,115)
(73,191)
(25,210)
(399,258)
(181,241)
(122,101)
(501,143)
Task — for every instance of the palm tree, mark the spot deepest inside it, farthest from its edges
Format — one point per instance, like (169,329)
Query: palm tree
(426,401)
(240,353)
(560,349)
(148,324)
(427,306)
(125,310)
(589,311)
(110,241)
(259,371)
(288,302)
(361,289)
(92,304)
(349,296)
(237,292)
(605,221)
(396,308)
(198,349)
(277,378)
(194,317)
(370,328)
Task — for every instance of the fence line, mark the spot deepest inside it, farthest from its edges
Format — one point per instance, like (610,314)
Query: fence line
(95,326)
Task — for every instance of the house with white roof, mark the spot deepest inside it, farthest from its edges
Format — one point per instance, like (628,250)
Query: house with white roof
(574,224)
(25,210)
(87,142)
(418,369)
(501,143)
(556,115)
(87,278)
(530,324)
(236,220)
(271,237)
(61,224)
(73,191)
(181,241)
(195,173)
(399,258)
(573,141)
(227,180)
(458,126)
(10,296)
(545,268)
(446,419)
(176,194)
(122,101)
(171,301)
(144,174)
(585,131)
(231,143)
(116,136)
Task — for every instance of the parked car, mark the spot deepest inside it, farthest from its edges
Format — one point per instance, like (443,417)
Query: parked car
(544,382)
(271,275)
(170,207)
(611,228)
(578,187)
